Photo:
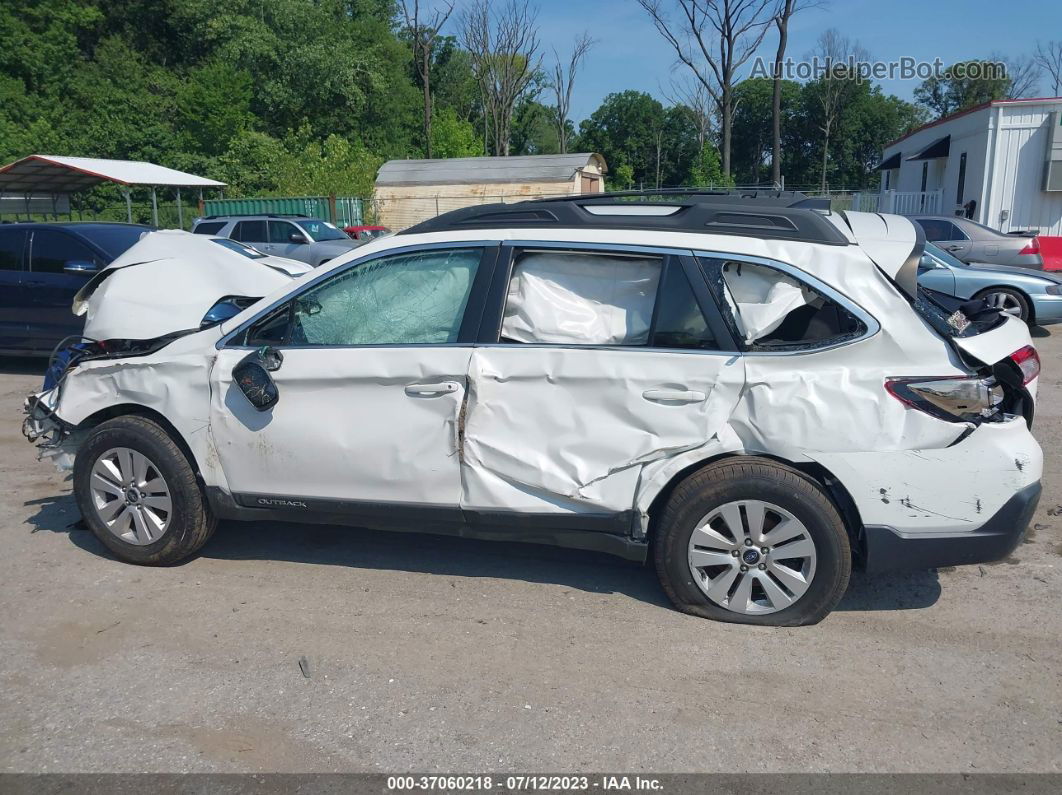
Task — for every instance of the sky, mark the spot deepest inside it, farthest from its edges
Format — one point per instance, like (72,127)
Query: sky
(630,54)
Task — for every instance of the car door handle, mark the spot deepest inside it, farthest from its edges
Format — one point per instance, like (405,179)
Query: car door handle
(422,390)
(674,396)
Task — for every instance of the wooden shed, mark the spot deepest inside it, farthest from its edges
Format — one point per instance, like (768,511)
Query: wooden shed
(410,191)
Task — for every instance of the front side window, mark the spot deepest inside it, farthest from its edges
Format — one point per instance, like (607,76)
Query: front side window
(772,310)
(281,231)
(52,249)
(416,298)
(937,229)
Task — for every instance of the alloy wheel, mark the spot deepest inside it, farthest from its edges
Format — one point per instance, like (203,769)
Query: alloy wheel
(1004,302)
(752,557)
(130,496)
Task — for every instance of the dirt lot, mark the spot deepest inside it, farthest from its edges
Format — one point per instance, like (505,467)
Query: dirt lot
(433,654)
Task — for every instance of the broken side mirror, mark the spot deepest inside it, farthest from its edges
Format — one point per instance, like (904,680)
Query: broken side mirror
(251,375)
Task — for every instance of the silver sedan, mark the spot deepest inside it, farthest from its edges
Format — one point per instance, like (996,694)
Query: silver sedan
(1034,296)
(974,242)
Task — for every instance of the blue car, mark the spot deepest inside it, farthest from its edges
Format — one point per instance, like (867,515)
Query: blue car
(1034,296)
(42,266)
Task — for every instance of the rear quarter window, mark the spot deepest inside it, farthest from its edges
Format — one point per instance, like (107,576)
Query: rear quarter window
(209,228)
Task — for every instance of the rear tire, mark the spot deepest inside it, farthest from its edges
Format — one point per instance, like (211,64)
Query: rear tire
(1007,300)
(138,493)
(789,568)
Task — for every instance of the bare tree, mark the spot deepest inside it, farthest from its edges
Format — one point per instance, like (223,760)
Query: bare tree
(1023,74)
(504,51)
(834,51)
(714,38)
(782,15)
(423,32)
(564,81)
(1049,57)
(694,99)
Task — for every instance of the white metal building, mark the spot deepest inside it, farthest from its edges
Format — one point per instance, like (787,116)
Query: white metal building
(996,154)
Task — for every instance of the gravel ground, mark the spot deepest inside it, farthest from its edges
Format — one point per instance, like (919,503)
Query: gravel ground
(451,655)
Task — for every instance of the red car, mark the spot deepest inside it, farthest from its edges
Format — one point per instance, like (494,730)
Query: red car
(365,233)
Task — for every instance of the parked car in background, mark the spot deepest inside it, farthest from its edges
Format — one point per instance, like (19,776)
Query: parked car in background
(970,241)
(755,409)
(1031,295)
(366,232)
(310,240)
(42,266)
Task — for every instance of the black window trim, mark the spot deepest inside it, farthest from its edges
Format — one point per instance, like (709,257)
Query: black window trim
(870,323)
(490,329)
(237,338)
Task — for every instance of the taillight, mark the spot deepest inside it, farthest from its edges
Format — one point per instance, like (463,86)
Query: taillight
(951,399)
(1032,248)
(1028,361)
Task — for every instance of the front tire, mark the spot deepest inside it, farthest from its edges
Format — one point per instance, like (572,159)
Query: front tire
(751,541)
(138,493)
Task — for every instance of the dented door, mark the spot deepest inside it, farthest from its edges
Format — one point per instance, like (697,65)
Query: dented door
(554,426)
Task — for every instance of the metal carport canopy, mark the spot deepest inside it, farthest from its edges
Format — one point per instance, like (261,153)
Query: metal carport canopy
(55,174)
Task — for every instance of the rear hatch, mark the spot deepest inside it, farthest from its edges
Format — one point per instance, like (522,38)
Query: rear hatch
(988,341)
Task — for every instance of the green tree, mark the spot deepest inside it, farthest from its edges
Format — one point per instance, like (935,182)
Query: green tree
(963,85)
(453,136)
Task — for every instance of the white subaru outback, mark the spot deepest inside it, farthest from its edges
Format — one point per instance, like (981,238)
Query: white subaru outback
(748,389)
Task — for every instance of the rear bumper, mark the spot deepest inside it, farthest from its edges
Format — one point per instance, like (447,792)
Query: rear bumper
(887,549)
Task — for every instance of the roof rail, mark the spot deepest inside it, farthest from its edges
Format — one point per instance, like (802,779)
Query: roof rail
(776,198)
(256,215)
(781,215)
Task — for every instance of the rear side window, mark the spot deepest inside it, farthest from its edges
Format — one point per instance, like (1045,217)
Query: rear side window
(209,228)
(12,242)
(770,309)
(250,232)
(588,298)
(937,229)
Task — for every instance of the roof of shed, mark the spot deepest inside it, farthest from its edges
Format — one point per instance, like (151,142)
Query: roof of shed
(463,170)
(55,174)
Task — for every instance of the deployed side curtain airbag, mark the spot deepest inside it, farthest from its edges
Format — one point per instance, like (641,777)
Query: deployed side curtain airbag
(581,299)
(763,298)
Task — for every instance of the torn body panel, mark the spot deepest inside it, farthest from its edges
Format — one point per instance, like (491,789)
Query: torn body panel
(173,382)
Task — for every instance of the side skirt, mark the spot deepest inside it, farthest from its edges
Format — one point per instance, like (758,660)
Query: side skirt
(597,532)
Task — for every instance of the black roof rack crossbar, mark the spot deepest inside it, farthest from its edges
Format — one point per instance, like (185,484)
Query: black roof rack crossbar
(258,215)
(781,215)
(764,196)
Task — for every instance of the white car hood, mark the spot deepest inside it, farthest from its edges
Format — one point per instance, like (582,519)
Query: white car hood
(168,281)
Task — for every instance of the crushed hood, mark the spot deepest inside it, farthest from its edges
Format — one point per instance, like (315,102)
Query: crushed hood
(168,281)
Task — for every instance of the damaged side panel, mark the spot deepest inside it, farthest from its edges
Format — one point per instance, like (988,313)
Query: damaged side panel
(173,382)
(555,429)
